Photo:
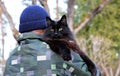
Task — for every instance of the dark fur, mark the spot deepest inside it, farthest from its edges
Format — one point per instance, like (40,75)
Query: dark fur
(61,40)
(58,30)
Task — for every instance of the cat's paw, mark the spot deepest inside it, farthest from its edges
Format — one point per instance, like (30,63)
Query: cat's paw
(67,58)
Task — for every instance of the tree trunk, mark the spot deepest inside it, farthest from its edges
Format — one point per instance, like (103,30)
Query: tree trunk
(104,70)
(2,33)
(111,71)
(90,16)
(118,69)
(70,13)
(45,5)
(57,10)
(34,2)
(2,61)
(12,25)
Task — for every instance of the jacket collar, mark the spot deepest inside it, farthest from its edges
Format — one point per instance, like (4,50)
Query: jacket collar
(28,35)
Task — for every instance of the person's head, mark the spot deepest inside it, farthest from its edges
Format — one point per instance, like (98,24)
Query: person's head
(33,18)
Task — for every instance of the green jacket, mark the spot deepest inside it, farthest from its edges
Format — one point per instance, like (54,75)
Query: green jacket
(34,58)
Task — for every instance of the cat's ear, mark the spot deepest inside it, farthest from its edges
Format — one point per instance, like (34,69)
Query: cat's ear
(49,21)
(63,20)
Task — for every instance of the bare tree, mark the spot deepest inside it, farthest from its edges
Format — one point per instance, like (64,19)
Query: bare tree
(2,61)
(44,4)
(70,13)
(118,68)
(34,2)
(3,34)
(12,25)
(57,10)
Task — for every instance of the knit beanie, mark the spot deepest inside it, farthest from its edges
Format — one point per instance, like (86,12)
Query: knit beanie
(33,18)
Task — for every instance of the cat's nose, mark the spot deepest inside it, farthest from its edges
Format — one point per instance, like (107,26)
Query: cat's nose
(56,35)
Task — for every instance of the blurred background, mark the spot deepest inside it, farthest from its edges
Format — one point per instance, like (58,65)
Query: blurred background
(95,24)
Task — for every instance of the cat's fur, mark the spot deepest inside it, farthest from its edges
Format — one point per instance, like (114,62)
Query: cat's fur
(61,40)
(58,30)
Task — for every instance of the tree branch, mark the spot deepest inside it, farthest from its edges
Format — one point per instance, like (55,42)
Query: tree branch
(45,5)
(12,25)
(90,16)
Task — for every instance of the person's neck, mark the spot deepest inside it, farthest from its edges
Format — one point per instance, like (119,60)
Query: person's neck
(40,32)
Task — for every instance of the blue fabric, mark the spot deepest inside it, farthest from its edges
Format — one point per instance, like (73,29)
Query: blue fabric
(33,18)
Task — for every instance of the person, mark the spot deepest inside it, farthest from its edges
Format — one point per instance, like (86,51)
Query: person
(33,57)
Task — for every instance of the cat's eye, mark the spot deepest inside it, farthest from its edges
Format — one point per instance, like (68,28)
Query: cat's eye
(52,30)
(60,29)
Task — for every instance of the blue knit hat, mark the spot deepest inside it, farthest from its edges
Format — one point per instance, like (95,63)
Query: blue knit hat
(33,18)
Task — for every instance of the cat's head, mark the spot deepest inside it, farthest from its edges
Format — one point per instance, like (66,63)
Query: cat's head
(57,29)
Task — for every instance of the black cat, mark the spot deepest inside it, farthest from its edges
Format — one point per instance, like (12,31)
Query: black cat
(61,41)
(58,30)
